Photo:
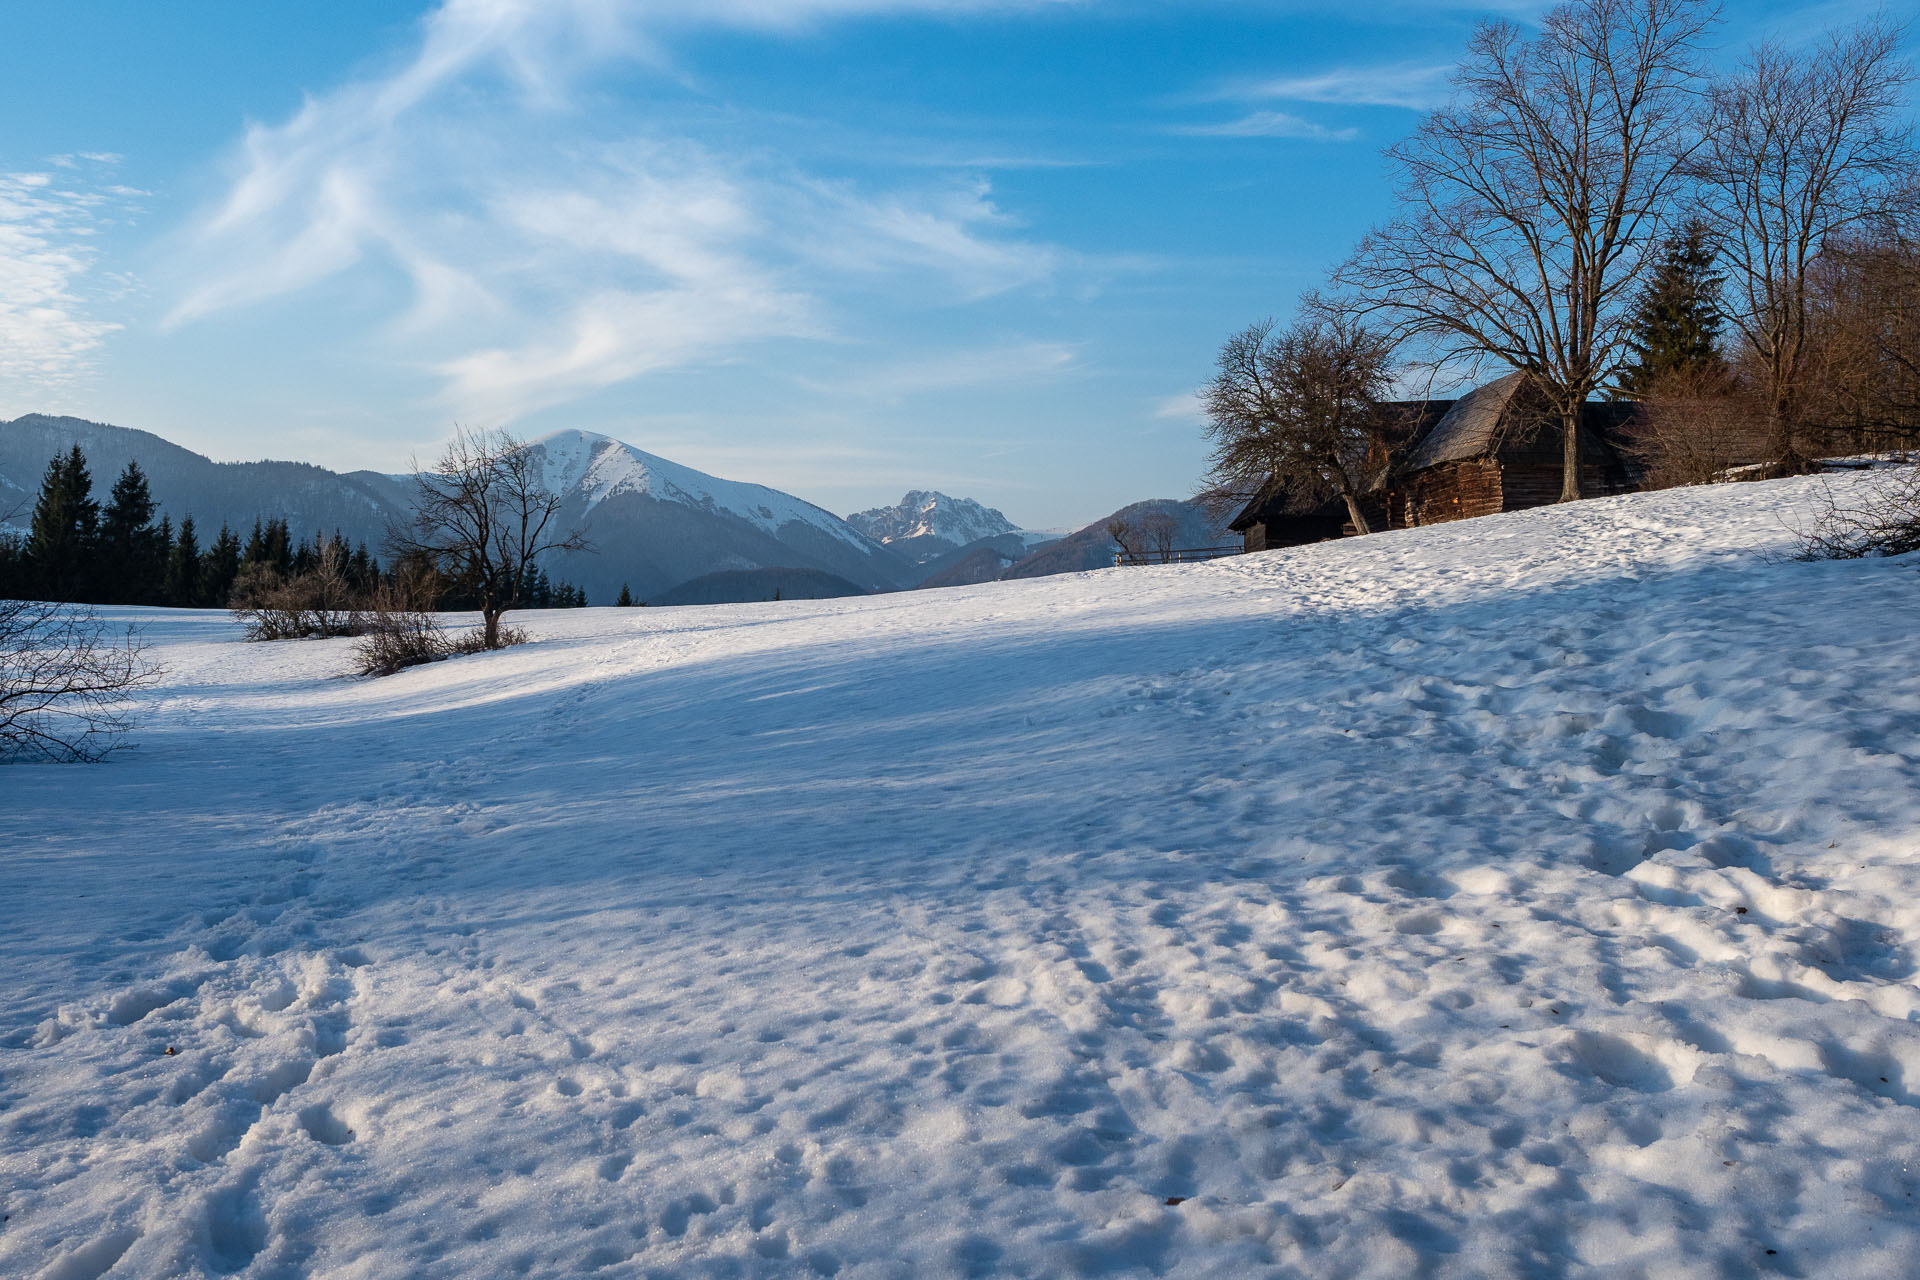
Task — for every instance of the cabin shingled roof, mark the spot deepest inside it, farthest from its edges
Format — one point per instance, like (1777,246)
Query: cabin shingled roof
(1471,428)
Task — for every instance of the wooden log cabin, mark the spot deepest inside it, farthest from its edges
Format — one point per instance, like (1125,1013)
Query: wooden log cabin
(1494,449)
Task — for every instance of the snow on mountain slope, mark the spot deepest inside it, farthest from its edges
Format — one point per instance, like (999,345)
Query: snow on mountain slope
(928,515)
(1529,896)
(596,467)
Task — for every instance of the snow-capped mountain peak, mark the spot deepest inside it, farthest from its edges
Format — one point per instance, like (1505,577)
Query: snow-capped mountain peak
(590,468)
(925,513)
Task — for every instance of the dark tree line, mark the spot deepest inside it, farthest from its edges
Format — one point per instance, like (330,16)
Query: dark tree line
(79,551)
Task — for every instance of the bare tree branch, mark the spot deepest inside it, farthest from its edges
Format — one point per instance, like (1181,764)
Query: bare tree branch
(64,681)
(1532,202)
(1797,150)
(482,516)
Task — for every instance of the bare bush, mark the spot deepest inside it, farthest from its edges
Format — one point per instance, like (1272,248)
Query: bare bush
(319,603)
(476,641)
(398,634)
(1884,520)
(64,680)
(1694,426)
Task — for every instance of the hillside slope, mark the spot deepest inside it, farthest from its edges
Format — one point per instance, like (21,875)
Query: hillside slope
(1528,896)
(653,523)
(311,499)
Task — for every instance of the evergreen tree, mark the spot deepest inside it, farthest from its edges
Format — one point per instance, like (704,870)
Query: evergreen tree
(14,582)
(256,545)
(626,598)
(277,551)
(219,567)
(130,559)
(363,571)
(65,522)
(1677,323)
(184,569)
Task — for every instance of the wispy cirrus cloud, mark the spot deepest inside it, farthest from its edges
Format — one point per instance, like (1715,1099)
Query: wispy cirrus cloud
(50,299)
(549,251)
(1187,407)
(1413,86)
(1266,124)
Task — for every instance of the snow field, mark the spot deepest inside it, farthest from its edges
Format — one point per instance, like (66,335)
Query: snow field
(1529,896)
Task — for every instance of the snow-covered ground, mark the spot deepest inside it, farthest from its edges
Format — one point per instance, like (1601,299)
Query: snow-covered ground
(1530,896)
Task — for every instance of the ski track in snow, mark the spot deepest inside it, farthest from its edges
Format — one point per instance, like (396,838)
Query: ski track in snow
(1530,896)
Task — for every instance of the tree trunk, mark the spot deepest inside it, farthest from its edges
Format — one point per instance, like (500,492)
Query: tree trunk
(1358,516)
(490,619)
(1570,455)
(1782,458)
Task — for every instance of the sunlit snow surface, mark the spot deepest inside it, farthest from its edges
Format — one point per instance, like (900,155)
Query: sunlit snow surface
(1530,896)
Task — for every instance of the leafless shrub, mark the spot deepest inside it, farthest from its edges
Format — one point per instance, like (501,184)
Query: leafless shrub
(320,602)
(1694,426)
(476,641)
(64,680)
(398,634)
(1884,520)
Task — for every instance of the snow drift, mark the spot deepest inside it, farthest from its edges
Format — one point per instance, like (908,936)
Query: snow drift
(1532,895)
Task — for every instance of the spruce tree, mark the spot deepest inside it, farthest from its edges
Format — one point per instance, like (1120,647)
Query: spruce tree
(256,545)
(626,598)
(278,548)
(1677,322)
(183,569)
(66,520)
(131,561)
(219,567)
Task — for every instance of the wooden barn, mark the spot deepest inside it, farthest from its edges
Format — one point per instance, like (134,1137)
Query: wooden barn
(1494,449)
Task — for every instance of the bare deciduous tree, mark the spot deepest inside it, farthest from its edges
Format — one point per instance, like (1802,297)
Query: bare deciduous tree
(1797,149)
(1301,407)
(1158,532)
(1124,536)
(1531,203)
(64,680)
(1862,386)
(482,515)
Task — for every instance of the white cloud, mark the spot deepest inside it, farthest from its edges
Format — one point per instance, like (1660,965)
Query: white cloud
(1000,365)
(550,251)
(48,226)
(1188,406)
(1415,86)
(1268,124)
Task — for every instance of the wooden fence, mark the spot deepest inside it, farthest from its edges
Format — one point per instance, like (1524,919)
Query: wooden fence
(1178,555)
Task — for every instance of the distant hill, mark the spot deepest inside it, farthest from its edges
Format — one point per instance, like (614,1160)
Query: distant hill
(654,524)
(981,560)
(1092,548)
(311,499)
(745,586)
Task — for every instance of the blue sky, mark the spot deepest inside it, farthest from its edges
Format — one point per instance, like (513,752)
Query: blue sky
(842,247)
